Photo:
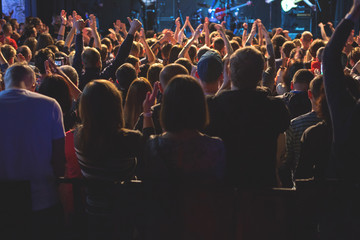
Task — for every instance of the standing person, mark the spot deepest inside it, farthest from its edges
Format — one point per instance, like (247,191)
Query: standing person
(32,146)
(108,154)
(342,216)
(249,122)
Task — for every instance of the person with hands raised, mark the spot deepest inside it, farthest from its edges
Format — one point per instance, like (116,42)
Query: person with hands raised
(151,58)
(91,56)
(185,50)
(229,50)
(94,32)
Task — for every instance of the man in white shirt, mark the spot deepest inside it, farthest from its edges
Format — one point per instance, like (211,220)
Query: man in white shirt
(32,142)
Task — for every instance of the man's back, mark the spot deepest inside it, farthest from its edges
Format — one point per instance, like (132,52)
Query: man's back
(29,123)
(249,122)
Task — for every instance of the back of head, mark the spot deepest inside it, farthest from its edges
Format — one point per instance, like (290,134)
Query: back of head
(71,73)
(91,58)
(174,53)
(153,74)
(44,40)
(132,60)
(8,52)
(7,28)
(134,100)
(101,116)
(186,63)
(41,56)
(25,51)
(192,53)
(315,86)
(184,106)
(320,54)
(306,37)
(135,49)
(55,86)
(303,76)
(103,52)
(287,47)
(278,41)
(165,51)
(202,51)
(170,71)
(210,67)
(246,68)
(219,44)
(19,75)
(315,45)
(31,42)
(125,74)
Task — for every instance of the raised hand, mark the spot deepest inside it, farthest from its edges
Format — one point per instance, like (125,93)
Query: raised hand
(321,25)
(142,34)
(81,24)
(150,98)
(63,17)
(117,25)
(93,21)
(177,22)
(198,31)
(245,25)
(134,25)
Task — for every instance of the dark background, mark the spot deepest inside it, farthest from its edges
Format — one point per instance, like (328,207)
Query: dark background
(109,10)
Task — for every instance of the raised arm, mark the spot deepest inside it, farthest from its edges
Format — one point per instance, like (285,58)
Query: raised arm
(244,36)
(70,36)
(323,33)
(149,53)
(185,50)
(340,102)
(252,34)
(61,32)
(228,47)
(187,22)
(79,45)
(94,31)
(207,32)
(270,72)
(124,51)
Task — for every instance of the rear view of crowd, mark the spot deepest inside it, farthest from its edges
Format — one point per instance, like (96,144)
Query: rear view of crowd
(172,110)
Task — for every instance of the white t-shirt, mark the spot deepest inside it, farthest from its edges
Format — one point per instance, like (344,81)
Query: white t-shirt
(29,122)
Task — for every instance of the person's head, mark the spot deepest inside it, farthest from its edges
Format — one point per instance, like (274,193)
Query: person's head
(26,52)
(37,23)
(135,62)
(60,44)
(320,53)
(170,71)
(315,89)
(7,29)
(101,115)
(41,56)
(108,44)
(14,24)
(306,39)
(192,53)
(219,45)
(91,58)
(8,52)
(302,79)
(44,40)
(31,42)
(246,68)
(185,62)
(235,45)
(287,47)
(125,75)
(184,106)
(20,76)
(29,31)
(55,86)
(153,74)
(53,48)
(202,51)
(354,56)
(135,50)
(278,41)
(174,53)
(314,47)
(71,73)
(103,53)
(165,51)
(210,67)
(134,100)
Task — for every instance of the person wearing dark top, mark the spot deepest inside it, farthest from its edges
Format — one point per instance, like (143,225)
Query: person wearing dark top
(108,154)
(249,122)
(166,74)
(91,57)
(297,100)
(341,220)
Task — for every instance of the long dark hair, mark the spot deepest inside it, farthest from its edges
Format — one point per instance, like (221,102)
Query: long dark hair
(101,115)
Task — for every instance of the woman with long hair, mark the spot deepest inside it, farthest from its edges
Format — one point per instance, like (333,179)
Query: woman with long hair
(108,155)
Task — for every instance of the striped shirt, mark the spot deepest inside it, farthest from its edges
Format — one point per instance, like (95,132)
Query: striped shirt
(296,129)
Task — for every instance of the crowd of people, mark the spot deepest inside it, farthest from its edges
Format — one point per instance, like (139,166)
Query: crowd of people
(256,111)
